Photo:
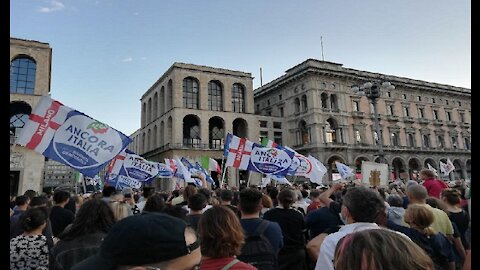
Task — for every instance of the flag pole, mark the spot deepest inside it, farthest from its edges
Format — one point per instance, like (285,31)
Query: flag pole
(223,169)
(249,175)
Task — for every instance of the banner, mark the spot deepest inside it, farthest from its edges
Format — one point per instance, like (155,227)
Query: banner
(374,174)
(447,168)
(164,171)
(131,170)
(71,137)
(238,151)
(267,160)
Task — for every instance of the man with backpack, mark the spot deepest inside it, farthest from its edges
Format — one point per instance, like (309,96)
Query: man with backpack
(264,238)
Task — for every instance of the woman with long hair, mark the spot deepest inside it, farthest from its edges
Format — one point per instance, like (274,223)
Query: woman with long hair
(83,237)
(221,239)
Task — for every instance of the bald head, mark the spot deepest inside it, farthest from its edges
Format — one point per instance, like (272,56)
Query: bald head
(417,193)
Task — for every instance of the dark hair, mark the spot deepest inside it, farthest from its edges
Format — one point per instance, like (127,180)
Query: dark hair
(197,201)
(21,200)
(226,195)
(176,211)
(314,193)
(363,204)
(236,198)
(226,239)
(148,191)
(38,201)
(380,249)
(189,191)
(452,196)
(395,200)
(94,215)
(33,218)
(287,197)
(60,196)
(108,191)
(155,203)
(71,205)
(250,200)
(30,193)
(304,193)
(206,192)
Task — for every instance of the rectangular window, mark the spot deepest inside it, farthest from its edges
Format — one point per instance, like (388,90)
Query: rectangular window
(419,98)
(389,94)
(406,112)
(263,134)
(281,111)
(268,102)
(462,117)
(263,124)
(277,137)
(435,114)
(420,113)
(279,97)
(390,110)
(277,125)
(449,116)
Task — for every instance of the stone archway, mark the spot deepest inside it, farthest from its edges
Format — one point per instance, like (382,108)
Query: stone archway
(414,167)
(332,168)
(399,169)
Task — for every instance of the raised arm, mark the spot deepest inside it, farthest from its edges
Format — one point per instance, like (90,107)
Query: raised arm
(325,196)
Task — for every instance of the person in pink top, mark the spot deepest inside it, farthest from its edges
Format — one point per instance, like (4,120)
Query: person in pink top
(433,185)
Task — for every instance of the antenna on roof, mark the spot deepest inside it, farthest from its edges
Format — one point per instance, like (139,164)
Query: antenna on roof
(261,82)
(321,44)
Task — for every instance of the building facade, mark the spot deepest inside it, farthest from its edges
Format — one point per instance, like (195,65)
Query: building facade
(189,110)
(312,109)
(421,122)
(30,69)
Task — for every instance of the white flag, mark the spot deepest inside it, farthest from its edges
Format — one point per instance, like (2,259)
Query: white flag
(183,171)
(433,169)
(279,179)
(265,181)
(344,170)
(449,167)
(318,170)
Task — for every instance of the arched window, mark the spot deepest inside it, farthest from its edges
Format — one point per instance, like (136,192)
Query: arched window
(333,102)
(144,114)
(149,110)
(394,139)
(466,143)
(304,136)
(162,100)
(304,103)
(215,96)
(454,142)
(170,102)
(154,139)
(425,141)
(331,131)
(411,140)
(19,112)
(149,142)
(22,75)
(169,131)
(324,97)
(358,137)
(191,131)
(215,132)
(144,149)
(440,141)
(297,105)
(238,98)
(190,93)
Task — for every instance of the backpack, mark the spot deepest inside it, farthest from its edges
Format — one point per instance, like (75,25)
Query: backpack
(258,251)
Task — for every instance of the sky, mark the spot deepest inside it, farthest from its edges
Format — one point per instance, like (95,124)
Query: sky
(107,53)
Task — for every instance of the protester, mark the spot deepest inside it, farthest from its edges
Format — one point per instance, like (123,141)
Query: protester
(120,210)
(220,222)
(267,204)
(455,212)
(433,185)
(436,245)
(146,241)
(226,197)
(155,203)
(379,249)
(360,207)
(82,238)
(107,192)
(30,250)
(417,194)
(147,192)
(395,210)
(21,205)
(60,217)
(196,203)
(292,255)
(315,201)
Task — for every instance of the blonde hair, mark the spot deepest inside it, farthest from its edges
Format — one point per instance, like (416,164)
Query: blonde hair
(120,210)
(420,216)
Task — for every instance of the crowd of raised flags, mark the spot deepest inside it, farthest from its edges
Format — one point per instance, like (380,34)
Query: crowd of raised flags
(87,145)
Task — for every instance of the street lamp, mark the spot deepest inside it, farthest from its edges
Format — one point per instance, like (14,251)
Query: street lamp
(372,92)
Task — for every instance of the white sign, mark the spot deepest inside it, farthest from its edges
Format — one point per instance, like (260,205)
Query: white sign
(374,174)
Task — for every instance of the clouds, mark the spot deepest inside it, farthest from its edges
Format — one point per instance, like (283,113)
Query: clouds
(130,59)
(54,6)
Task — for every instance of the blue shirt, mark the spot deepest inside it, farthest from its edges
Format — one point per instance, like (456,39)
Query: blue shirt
(273,232)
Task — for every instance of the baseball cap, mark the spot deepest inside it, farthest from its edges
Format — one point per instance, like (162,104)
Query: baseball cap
(141,239)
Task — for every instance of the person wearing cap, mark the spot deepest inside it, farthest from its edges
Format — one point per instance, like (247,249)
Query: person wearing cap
(146,241)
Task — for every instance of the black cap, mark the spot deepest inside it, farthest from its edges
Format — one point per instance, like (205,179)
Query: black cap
(141,239)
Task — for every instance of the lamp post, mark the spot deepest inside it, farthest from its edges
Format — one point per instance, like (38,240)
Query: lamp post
(373,91)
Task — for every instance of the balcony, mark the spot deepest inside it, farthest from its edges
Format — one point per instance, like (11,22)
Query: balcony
(451,124)
(408,119)
(393,118)
(357,114)
(464,125)
(423,120)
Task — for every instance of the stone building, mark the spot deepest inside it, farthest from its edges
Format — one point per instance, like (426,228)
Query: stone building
(188,111)
(421,122)
(30,68)
(312,109)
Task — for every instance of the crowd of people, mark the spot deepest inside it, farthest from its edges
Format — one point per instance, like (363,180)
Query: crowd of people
(408,225)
